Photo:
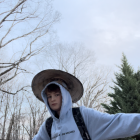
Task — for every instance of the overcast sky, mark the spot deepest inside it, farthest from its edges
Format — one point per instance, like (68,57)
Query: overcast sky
(109,27)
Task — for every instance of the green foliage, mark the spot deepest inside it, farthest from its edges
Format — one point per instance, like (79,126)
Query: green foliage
(126,92)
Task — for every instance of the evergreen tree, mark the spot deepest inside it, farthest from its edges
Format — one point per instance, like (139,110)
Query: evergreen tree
(126,93)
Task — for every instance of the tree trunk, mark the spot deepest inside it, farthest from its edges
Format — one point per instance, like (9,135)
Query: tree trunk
(10,127)
(5,116)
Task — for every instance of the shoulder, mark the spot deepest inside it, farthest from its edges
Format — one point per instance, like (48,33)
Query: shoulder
(89,113)
(85,111)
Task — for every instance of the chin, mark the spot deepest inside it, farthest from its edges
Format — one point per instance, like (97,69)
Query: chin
(55,109)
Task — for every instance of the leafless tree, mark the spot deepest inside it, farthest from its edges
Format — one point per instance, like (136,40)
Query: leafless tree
(95,90)
(25,28)
(10,127)
(37,114)
(81,62)
(5,117)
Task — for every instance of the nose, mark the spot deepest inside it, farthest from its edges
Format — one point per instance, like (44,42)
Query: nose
(53,98)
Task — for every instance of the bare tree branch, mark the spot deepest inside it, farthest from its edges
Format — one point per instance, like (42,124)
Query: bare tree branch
(80,62)
(26,129)
(5,11)
(22,89)
(12,11)
(38,26)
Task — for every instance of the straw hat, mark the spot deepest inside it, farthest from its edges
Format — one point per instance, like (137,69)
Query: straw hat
(74,86)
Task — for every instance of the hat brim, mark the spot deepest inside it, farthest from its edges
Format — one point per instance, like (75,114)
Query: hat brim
(40,80)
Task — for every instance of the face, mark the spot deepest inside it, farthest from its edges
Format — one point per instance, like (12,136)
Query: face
(55,100)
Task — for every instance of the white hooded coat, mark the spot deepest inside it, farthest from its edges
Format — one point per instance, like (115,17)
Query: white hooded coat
(101,126)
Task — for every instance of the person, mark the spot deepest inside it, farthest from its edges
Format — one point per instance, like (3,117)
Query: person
(58,89)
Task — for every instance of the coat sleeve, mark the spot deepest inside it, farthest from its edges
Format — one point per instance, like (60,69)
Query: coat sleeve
(103,126)
(42,133)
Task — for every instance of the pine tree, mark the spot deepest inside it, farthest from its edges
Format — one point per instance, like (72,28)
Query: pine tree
(126,93)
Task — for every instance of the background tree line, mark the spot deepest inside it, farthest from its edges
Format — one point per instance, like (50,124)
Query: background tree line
(25,32)
(26,47)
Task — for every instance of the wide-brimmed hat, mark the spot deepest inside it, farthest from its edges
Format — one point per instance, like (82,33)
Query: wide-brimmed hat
(73,85)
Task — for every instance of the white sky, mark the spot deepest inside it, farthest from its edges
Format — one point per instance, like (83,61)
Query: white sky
(109,27)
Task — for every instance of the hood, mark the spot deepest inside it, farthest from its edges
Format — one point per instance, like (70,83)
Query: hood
(66,101)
